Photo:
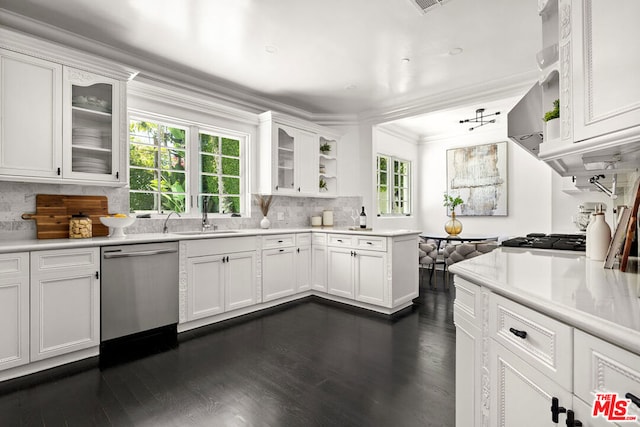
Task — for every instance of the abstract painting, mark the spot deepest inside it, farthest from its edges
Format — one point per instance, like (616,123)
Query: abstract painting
(478,174)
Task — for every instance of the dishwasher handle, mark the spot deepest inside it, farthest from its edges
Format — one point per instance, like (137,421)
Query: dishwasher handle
(118,254)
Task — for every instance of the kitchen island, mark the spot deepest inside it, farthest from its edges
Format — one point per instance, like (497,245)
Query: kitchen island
(540,333)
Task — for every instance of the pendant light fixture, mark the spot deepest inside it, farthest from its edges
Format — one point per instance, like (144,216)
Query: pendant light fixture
(481,119)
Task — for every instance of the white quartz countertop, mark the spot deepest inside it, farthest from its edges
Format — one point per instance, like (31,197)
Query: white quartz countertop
(8,245)
(566,286)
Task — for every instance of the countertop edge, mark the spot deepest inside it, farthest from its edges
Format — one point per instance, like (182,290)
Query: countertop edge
(594,325)
(9,246)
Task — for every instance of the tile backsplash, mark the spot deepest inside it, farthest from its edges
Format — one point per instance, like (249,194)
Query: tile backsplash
(18,198)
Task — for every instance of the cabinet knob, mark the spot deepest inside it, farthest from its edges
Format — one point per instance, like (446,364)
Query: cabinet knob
(97,274)
(298,250)
(556,409)
(519,334)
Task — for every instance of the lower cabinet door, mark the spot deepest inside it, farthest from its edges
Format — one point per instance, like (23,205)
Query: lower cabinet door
(468,373)
(14,321)
(303,268)
(240,280)
(205,289)
(520,394)
(582,412)
(319,268)
(65,313)
(278,273)
(371,278)
(340,272)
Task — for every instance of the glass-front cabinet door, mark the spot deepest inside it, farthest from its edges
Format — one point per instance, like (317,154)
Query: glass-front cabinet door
(286,159)
(91,142)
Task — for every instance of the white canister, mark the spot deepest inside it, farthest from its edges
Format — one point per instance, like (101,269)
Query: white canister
(316,221)
(327,218)
(600,236)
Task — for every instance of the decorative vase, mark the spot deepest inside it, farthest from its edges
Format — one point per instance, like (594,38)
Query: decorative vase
(265,223)
(553,130)
(600,236)
(453,227)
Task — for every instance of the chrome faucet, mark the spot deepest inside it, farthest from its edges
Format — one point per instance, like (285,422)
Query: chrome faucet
(205,219)
(165,229)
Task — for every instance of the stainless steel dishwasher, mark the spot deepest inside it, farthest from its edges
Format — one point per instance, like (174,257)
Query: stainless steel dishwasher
(139,289)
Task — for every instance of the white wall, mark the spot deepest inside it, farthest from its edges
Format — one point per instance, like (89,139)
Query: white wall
(392,144)
(529,187)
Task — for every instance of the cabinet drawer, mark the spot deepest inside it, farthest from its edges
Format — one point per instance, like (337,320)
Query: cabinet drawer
(547,345)
(319,238)
(278,241)
(303,239)
(340,240)
(14,265)
(373,243)
(601,367)
(220,246)
(468,300)
(44,261)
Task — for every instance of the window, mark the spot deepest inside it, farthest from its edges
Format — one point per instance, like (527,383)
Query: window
(157,167)
(393,186)
(172,167)
(220,177)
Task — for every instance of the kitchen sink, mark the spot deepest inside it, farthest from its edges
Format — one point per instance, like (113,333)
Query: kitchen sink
(199,232)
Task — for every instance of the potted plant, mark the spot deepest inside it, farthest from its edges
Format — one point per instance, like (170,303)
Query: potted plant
(453,227)
(323,185)
(552,123)
(265,203)
(325,148)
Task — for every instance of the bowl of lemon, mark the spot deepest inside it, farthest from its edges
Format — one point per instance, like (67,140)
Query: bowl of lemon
(117,223)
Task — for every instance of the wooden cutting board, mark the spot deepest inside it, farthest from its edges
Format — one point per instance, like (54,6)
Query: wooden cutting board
(53,212)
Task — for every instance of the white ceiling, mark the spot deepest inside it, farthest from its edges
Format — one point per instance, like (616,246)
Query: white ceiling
(331,56)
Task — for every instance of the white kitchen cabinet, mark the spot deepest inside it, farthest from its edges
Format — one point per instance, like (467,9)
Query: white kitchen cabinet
(520,394)
(30,116)
(221,276)
(319,262)
(303,262)
(289,157)
(513,361)
(340,267)
(60,124)
(14,310)
(92,118)
(605,59)
(278,273)
(65,301)
(356,273)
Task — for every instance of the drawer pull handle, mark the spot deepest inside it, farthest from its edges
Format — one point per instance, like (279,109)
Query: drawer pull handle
(633,398)
(556,409)
(369,243)
(340,240)
(519,334)
(280,241)
(571,419)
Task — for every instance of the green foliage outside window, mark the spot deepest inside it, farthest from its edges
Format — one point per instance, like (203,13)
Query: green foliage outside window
(157,167)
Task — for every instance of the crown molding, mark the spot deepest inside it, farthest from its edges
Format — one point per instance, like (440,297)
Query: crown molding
(488,91)
(399,132)
(49,49)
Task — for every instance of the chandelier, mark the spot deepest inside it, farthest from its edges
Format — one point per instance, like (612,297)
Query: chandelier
(480,118)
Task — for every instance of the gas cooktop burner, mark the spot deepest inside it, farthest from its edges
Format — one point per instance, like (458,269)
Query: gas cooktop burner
(568,242)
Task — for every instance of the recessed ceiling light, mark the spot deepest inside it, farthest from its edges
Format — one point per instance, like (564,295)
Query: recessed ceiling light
(271,48)
(350,87)
(405,60)
(456,51)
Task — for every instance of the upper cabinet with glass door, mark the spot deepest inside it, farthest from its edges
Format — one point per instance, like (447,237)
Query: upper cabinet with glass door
(91,126)
(291,161)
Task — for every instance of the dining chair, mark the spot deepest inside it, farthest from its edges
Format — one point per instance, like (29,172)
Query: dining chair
(428,258)
(462,251)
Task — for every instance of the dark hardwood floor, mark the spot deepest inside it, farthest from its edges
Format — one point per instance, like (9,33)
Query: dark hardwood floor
(310,364)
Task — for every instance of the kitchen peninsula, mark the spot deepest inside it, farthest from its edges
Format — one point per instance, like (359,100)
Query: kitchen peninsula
(549,324)
(222,274)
